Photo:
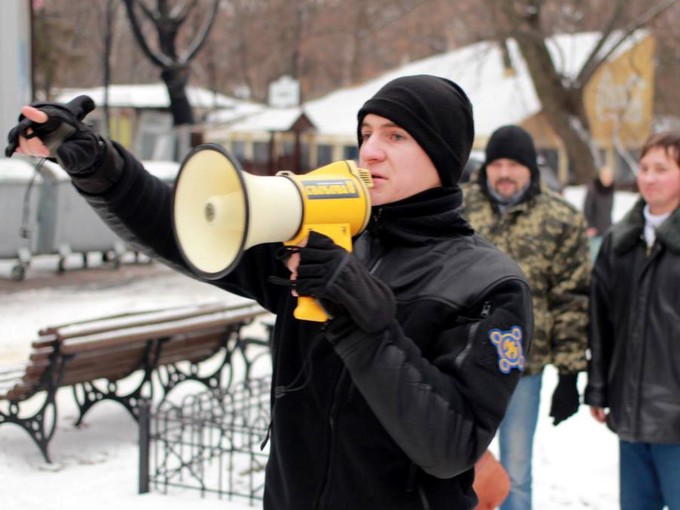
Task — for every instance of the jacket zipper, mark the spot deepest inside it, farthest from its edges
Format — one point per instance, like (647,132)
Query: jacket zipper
(651,253)
(411,484)
(332,416)
(423,498)
(486,309)
(331,442)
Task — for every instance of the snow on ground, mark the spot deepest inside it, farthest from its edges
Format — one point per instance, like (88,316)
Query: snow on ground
(96,465)
(623,200)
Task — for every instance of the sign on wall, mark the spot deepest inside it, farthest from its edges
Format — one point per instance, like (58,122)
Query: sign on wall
(619,98)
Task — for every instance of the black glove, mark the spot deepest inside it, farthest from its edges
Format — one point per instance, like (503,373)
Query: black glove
(565,400)
(77,147)
(342,284)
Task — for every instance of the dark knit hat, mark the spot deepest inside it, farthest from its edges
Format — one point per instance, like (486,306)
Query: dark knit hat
(512,142)
(436,112)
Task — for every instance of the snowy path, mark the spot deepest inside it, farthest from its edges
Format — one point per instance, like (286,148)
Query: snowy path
(575,464)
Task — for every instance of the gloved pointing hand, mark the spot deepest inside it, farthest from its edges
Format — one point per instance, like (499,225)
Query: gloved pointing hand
(332,275)
(56,130)
(565,400)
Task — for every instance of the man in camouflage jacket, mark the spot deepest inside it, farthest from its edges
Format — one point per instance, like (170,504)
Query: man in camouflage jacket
(546,235)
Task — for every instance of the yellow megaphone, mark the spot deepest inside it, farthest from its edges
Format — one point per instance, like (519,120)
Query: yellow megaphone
(219,211)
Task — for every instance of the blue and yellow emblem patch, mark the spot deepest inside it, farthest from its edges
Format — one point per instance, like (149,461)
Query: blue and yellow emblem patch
(509,347)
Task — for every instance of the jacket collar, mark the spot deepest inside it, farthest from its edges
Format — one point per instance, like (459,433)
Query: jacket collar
(424,218)
(628,232)
(601,188)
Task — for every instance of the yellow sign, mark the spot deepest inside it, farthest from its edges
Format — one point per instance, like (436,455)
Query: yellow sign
(341,188)
(619,98)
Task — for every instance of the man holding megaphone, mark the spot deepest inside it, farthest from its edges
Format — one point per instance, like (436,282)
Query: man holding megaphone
(389,403)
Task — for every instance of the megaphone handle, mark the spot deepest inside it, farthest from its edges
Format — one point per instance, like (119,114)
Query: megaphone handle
(309,309)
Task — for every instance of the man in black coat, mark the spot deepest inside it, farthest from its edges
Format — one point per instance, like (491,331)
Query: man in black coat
(390,403)
(633,372)
(598,206)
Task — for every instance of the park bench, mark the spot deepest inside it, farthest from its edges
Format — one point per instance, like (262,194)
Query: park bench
(128,358)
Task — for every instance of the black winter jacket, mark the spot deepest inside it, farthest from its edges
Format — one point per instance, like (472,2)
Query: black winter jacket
(635,330)
(394,420)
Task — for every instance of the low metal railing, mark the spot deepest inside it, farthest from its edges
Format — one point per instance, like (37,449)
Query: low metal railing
(210,442)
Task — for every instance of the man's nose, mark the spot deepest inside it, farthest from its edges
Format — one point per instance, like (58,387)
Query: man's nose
(504,171)
(371,149)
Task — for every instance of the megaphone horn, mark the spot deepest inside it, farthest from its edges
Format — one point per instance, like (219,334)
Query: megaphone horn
(220,211)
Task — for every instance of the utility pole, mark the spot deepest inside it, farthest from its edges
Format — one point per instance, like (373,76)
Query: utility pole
(15,62)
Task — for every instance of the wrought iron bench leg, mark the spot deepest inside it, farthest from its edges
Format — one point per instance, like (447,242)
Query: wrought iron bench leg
(40,426)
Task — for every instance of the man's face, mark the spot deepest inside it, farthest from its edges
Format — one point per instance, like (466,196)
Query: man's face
(399,166)
(606,176)
(507,177)
(658,180)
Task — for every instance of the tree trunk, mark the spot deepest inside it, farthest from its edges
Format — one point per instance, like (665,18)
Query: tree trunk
(563,108)
(176,79)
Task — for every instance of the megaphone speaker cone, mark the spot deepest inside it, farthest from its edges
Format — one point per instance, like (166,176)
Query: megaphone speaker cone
(220,210)
(210,213)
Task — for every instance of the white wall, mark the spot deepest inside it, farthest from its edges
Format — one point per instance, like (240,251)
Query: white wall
(15,63)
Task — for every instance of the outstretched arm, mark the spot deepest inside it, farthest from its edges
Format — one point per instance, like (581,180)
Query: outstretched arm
(57,131)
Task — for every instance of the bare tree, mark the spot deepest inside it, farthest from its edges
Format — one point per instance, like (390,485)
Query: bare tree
(322,43)
(58,47)
(167,20)
(531,22)
(327,44)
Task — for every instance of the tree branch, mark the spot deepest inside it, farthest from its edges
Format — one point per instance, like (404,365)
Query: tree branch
(156,58)
(595,59)
(202,35)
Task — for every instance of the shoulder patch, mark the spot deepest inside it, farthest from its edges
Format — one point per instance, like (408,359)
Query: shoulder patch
(509,348)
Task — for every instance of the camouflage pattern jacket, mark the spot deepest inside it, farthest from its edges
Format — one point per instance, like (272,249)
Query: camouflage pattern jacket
(547,237)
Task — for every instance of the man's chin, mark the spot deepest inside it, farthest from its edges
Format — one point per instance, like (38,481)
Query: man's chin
(506,191)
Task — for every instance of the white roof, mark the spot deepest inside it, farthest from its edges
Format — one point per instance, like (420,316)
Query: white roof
(272,119)
(155,95)
(242,109)
(497,99)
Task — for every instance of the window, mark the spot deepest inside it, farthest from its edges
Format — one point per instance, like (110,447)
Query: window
(350,152)
(324,154)
(238,149)
(260,152)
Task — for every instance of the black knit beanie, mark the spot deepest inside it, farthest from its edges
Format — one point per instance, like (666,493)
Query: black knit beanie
(436,112)
(512,142)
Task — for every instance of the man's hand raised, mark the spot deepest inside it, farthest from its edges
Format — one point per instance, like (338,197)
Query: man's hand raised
(33,145)
(56,130)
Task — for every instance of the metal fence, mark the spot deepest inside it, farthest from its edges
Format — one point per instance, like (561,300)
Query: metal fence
(212,442)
